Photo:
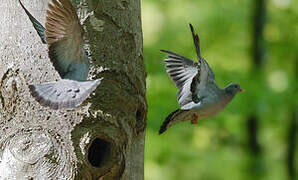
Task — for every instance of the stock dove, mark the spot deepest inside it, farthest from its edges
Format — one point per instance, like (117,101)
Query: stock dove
(63,35)
(199,96)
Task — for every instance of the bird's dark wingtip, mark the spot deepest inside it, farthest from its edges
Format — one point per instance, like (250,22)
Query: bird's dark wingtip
(168,52)
(166,122)
(191,28)
(21,3)
(162,129)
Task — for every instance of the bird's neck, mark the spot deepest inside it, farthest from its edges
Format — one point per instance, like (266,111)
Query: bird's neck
(226,97)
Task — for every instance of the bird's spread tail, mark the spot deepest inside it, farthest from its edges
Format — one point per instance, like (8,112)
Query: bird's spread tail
(170,120)
(63,94)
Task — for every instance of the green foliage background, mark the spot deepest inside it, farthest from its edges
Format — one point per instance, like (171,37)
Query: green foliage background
(217,148)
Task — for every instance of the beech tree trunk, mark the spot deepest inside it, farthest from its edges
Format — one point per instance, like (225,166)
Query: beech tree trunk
(292,138)
(104,137)
(291,149)
(256,165)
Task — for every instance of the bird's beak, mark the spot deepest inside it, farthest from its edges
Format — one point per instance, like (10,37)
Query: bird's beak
(241,90)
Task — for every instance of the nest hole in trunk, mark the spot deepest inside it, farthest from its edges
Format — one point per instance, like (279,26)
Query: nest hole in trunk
(98,152)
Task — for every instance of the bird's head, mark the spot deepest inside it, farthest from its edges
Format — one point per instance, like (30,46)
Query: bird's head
(233,89)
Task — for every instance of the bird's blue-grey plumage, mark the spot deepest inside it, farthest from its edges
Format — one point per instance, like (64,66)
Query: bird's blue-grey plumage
(198,96)
(64,36)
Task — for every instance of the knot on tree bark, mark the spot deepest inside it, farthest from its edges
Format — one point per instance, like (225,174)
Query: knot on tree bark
(34,154)
(10,83)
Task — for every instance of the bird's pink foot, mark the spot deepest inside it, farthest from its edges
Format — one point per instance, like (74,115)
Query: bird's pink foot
(194,119)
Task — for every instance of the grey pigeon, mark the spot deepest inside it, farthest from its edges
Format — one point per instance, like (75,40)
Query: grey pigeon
(64,36)
(199,96)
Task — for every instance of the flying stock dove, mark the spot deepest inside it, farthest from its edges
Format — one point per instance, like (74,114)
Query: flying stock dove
(64,36)
(199,96)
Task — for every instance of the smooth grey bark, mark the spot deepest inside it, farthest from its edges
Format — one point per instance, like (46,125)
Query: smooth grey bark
(103,138)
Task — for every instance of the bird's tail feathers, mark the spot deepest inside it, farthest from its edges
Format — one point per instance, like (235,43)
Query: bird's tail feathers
(170,120)
(63,94)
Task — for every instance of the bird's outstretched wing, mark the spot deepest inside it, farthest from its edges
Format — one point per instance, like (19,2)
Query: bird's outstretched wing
(64,39)
(203,83)
(37,26)
(63,94)
(63,34)
(182,71)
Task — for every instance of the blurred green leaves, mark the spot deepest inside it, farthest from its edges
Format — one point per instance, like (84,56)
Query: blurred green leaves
(215,148)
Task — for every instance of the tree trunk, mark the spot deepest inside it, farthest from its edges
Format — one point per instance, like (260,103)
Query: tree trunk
(292,140)
(292,137)
(258,51)
(104,137)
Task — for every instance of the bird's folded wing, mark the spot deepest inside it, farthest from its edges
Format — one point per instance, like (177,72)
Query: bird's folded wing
(181,70)
(37,26)
(64,36)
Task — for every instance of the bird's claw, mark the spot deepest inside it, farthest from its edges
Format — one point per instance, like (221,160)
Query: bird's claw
(194,119)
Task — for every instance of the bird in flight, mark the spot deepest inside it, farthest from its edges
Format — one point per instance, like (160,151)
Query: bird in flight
(63,35)
(199,96)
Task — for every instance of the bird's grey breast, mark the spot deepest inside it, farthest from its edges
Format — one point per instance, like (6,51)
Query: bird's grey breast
(210,106)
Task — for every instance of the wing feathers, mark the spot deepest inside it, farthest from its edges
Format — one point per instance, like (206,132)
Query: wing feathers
(53,16)
(64,39)
(190,77)
(181,70)
(205,78)
(196,41)
(37,26)
(55,35)
(63,20)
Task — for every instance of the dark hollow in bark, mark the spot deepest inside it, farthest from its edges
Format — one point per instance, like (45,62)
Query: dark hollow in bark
(98,152)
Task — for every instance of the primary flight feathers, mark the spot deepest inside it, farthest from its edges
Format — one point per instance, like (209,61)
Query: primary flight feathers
(64,36)
(198,96)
